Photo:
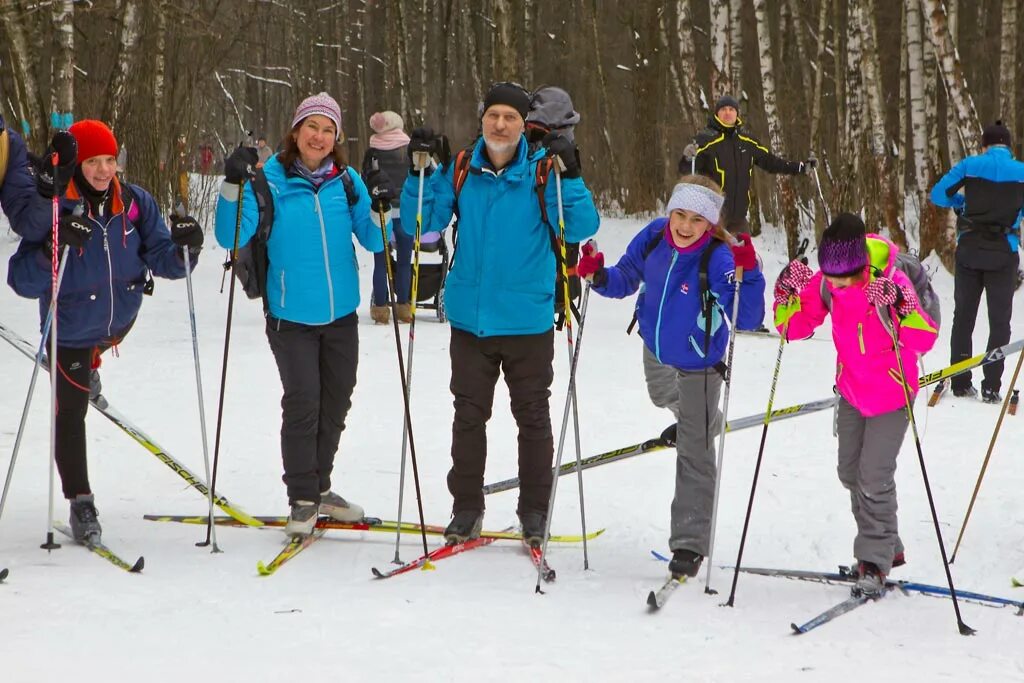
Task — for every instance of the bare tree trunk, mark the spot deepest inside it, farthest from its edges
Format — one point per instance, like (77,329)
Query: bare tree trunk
(801,45)
(958,96)
(937,231)
(1008,67)
(424,64)
(160,64)
(123,64)
(864,15)
(719,37)
(839,73)
(819,76)
(504,54)
(62,85)
(688,62)
(528,51)
(676,81)
(854,137)
(901,136)
(602,99)
(736,47)
(786,194)
(918,125)
(472,53)
(32,102)
(401,57)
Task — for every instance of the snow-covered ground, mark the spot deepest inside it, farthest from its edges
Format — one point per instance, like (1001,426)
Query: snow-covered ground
(476,617)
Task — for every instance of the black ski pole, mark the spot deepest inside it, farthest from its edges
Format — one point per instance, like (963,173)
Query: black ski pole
(783,338)
(224,365)
(393,300)
(991,445)
(893,326)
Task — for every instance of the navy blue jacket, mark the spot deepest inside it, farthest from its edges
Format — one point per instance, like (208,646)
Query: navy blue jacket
(17,184)
(992,204)
(669,308)
(101,292)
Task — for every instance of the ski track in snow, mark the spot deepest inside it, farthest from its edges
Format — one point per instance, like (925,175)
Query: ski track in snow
(476,617)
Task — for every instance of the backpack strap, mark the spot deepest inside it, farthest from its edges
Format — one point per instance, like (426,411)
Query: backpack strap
(707,299)
(459,174)
(651,246)
(346,181)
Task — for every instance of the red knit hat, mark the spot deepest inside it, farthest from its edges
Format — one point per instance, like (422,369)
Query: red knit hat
(94,139)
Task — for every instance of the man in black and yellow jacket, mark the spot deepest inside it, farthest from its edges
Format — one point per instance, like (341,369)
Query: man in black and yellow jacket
(727,154)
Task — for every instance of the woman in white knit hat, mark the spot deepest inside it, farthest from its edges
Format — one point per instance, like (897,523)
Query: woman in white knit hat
(310,289)
(388,151)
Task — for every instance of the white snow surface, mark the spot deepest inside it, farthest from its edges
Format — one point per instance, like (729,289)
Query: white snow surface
(476,617)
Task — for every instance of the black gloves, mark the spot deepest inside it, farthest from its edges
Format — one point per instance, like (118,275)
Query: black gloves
(186,232)
(74,231)
(240,164)
(49,183)
(564,149)
(807,166)
(381,194)
(424,140)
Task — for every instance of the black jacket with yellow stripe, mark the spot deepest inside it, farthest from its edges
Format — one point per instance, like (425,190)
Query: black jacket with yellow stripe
(727,155)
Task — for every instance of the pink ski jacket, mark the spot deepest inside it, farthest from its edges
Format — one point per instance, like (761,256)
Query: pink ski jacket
(867,373)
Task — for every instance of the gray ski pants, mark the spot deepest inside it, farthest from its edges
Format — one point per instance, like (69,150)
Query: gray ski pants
(693,399)
(868,447)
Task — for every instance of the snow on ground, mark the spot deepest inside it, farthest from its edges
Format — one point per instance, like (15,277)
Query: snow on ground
(476,617)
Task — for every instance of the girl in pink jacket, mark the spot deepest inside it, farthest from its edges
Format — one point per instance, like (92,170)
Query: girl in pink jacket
(868,299)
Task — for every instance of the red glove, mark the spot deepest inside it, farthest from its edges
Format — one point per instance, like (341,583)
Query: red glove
(743,252)
(884,292)
(591,265)
(793,278)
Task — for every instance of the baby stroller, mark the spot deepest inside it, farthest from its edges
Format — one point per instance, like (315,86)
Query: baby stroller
(430,291)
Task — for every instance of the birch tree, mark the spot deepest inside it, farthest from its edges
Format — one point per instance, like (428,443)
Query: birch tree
(736,48)
(31,101)
(767,63)
(62,87)
(1008,67)
(918,126)
(719,38)
(958,96)
(123,64)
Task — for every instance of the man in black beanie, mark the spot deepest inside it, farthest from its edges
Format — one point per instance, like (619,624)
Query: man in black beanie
(499,293)
(726,153)
(989,213)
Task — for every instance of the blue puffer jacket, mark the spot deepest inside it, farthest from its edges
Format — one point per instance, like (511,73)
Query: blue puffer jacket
(669,308)
(18,186)
(101,292)
(502,280)
(313,276)
(992,203)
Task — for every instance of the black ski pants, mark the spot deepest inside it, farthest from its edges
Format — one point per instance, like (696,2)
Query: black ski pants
(74,366)
(526,361)
(317,364)
(998,285)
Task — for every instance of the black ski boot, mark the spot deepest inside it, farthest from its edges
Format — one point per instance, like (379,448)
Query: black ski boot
(965,392)
(534,524)
(465,526)
(990,396)
(669,434)
(85,526)
(685,563)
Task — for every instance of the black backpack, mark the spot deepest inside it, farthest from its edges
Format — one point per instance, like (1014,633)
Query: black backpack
(252,261)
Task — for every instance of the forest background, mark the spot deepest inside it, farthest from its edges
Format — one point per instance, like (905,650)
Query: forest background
(887,94)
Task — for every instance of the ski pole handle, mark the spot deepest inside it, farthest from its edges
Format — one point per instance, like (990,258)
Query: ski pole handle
(420,160)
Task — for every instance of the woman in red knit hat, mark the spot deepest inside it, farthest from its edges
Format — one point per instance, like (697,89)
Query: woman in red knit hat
(115,238)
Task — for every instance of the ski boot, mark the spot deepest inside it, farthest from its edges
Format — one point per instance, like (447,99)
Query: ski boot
(534,524)
(668,436)
(965,392)
(870,580)
(685,563)
(990,396)
(465,526)
(302,519)
(85,527)
(336,507)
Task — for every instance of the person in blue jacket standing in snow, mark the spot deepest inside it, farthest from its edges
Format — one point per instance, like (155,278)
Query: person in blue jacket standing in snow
(685,329)
(311,291)
(112,237)
(988,226)
(499,295)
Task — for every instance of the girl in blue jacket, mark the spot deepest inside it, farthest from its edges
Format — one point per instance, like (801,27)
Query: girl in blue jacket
(112,237)
(311,291)
(688,278)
